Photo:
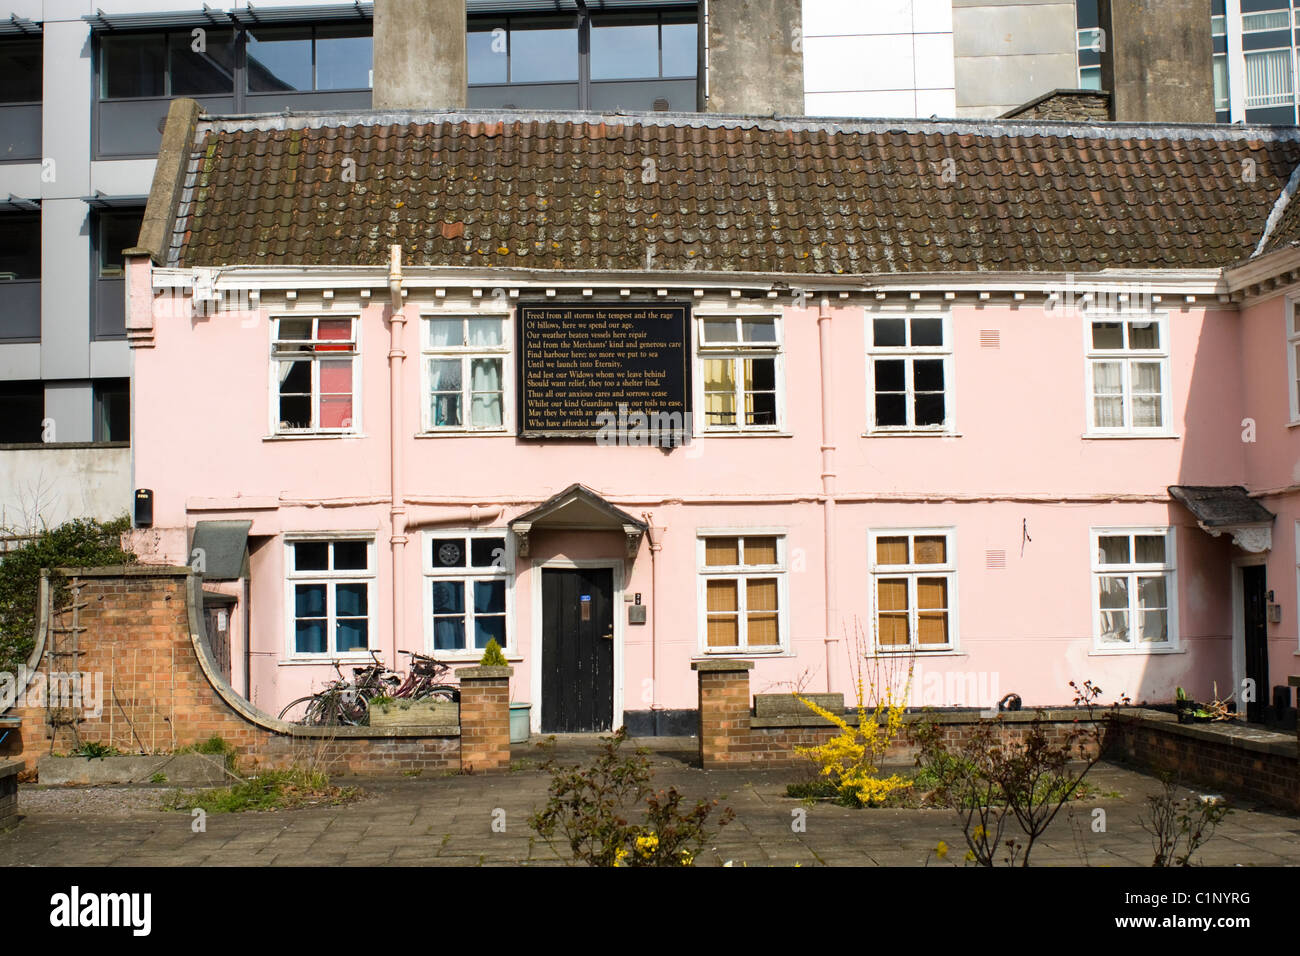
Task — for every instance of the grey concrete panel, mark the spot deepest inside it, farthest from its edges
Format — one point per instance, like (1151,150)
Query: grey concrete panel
(66,129)
(755,63)
(1011,80)
(70,405)
(65,292)
(110,359)
(543,96)
(680,95)
(122,177)
(20,363)
(420,57)
(1010,30)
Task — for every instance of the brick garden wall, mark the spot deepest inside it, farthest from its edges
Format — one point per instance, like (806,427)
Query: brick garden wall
(160,691)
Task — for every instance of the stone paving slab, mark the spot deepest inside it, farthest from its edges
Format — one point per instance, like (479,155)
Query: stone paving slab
(447,820)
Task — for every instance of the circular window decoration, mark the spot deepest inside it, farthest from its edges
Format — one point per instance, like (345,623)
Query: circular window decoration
(449,554)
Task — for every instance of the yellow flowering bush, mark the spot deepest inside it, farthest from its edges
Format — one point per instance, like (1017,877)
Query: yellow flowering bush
(852,759)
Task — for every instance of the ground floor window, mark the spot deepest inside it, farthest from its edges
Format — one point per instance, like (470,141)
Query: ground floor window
(1133,588)
(914,583)
(742,579)
(467,582)
(331,584)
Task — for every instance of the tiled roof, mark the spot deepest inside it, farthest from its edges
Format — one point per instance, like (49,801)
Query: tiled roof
(1218,506)
(677,192)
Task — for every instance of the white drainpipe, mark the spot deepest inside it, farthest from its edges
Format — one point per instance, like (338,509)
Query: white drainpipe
(828,477)
(397,510)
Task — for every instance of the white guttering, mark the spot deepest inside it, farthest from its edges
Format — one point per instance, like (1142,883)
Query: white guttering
(828,476)
(397,510)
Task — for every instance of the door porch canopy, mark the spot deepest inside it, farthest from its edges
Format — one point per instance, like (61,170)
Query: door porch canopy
(1228,508)
(577,508)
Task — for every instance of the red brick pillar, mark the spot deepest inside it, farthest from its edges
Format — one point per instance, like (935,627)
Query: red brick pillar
(724,712)
(485,718)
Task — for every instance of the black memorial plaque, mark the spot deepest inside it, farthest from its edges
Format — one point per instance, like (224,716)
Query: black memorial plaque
(582,366)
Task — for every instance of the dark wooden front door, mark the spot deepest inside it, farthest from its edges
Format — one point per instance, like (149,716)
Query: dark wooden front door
(1254,601)
(577,650)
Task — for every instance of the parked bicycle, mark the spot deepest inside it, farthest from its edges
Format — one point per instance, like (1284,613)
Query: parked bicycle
(426,680)
(342,701)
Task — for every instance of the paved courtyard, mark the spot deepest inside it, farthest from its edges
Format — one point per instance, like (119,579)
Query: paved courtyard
(448,821)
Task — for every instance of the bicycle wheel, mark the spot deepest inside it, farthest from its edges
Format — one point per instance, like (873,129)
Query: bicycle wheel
(448,692)
(353,709)
(296,712)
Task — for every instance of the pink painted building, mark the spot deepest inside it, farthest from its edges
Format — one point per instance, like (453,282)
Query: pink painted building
(1017,401)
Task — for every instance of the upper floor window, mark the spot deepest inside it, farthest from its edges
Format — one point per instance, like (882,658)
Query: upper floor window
(465,362)
(1268,78)
(20,246)
(331,585)
(324,57)
(914,583)
(643,47)
(909,371)
(467,584)
(1128,375)
(112,399)
(314,362)
(743,599)
(194,62)
(1133,589)
(742,374)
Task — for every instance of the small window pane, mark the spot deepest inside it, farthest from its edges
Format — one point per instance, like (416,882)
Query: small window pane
(448,597)
(931,409)
(279,60)
(289,330)
(624,51)
(487,55)
(544,55)
(344,56)
(309,600)
(1113,549)
(932,628)
(724,631)
(449,634)
(680,49)
(927,332)
(485,332)
(891,550)
(931,549)
(490,628)
(721,552)
(133,65)
(311,556)
(446,333)
(760,551)
(1107,335)
(21,66)
(444,375)
(1150,548)
(350,555)
(353,634)
(487,552)
(350,600)
(1144,335)
(759,331)
(117,231)
(449,552)
(309,636)
(489,597)
(891,375)
(723,595)
(890,332)
(760,375)
(719,330)
(204,71)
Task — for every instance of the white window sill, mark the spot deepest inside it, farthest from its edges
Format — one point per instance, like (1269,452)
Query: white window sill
(313,436)
(1134,651)
(348,660)
(937,652)
(1089,436)
(1295,424)
(909,433)
(465,433)
(743,433)
(729,654)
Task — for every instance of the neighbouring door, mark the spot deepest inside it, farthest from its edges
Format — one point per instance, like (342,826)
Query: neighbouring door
(1254,602)
(577,650)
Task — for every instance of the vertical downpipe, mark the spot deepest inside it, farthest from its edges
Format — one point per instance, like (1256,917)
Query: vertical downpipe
(828,479)
(397,510)
(656,545)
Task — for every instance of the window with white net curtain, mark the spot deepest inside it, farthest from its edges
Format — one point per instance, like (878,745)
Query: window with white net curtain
(1268,78)
(1134,605)
(465,364)
(1128,375)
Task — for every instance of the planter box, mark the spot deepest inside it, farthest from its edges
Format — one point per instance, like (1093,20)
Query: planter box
(788,705)
(190,770)
(404,713)
(9,792)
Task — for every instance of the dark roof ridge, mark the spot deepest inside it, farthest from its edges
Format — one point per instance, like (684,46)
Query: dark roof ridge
(1008,128)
